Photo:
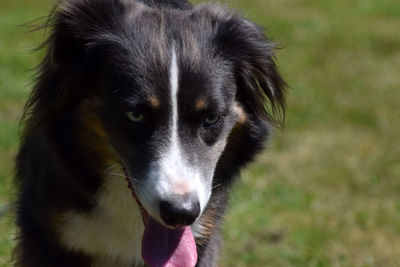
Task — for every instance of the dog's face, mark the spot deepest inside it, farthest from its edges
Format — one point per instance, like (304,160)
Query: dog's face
(169,120)
(168,112)
(177,94)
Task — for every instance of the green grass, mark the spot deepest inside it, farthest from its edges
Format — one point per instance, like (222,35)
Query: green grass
(326,192)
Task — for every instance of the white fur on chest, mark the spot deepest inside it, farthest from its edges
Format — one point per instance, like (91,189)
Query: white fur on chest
(112,232)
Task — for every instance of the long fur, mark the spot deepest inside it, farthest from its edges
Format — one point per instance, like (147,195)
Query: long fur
(97,44)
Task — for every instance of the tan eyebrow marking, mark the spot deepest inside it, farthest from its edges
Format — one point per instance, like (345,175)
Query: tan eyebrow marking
(240,112)
(200,104)
(154,102)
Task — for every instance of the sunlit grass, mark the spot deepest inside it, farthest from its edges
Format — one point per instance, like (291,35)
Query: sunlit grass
(326,192)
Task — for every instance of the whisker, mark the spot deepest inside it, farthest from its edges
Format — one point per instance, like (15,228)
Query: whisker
(136,181)
(217,185)
(124,176)
(114,173)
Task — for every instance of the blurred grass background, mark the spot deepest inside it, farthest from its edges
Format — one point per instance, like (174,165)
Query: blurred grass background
(327,190)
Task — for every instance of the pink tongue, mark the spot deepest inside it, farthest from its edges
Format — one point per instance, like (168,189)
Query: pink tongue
(165,247)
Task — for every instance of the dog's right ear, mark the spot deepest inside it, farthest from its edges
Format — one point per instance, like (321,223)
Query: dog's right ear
(80,31)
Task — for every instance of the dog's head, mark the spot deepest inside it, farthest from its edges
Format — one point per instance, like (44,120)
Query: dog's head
(179,98)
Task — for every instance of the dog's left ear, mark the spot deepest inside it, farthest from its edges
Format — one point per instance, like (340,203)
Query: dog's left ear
(261,90)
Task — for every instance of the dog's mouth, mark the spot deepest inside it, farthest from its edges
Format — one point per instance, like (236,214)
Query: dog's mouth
(165,246)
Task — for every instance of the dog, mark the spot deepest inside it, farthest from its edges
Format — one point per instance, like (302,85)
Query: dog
(142,115)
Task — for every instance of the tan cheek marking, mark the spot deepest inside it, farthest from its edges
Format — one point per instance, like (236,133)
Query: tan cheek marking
(240,112)
(93,136)
(200,104)
(207,223)
(154,102)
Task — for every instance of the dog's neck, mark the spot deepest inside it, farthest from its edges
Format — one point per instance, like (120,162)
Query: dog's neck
(113,228)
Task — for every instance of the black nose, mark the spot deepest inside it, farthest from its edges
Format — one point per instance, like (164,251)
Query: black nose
(177,213)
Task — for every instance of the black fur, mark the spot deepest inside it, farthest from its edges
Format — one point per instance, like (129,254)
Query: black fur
(96,50)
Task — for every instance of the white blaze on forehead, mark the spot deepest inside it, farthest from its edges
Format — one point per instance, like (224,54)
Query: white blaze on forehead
(174,83)
(176,176)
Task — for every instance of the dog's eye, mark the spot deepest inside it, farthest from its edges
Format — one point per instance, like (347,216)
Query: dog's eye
(211,120)
(135,116)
